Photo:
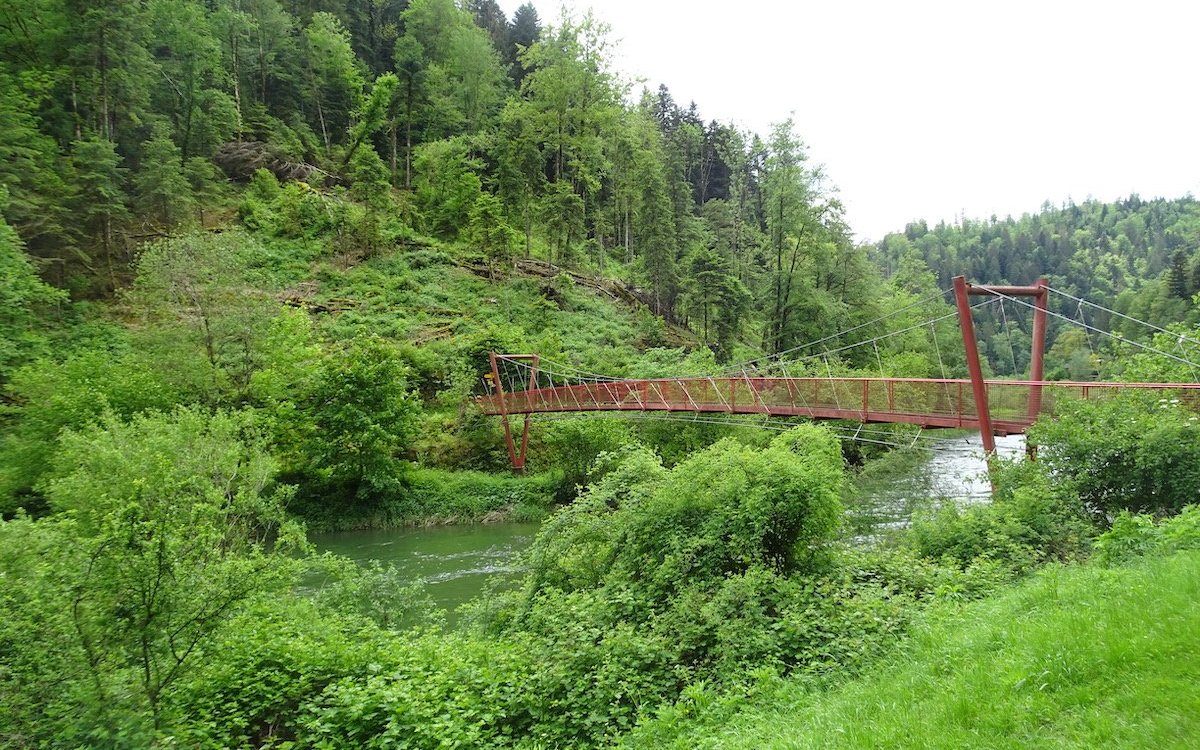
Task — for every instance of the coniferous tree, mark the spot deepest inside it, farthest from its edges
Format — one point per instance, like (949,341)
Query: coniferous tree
(100,195)
(162,189)
(524,31)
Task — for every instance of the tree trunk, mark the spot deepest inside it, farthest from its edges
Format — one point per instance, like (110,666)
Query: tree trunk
(324,131)
(237,78)
(395,171)
(528,231)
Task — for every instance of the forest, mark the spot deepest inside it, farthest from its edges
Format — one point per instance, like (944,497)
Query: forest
(254,255)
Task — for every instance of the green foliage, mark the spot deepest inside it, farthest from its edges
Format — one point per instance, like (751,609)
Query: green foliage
(1031,520)
(165,525)
(439,496)
(50,397)
(438,691)
(22,293)
(162,189)
(355,421)
(573,447)
(1075,658)
(378,593)
(447,185)
(264,666)
(1132,536)
(1137,452)
(294,211)
(193,289)
(369,179)
(720,512)
(488,231)
(654,576)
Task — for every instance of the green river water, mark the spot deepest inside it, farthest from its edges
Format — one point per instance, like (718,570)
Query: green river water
(456,561)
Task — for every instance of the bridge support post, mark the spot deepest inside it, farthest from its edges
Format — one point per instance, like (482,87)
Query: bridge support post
(978,387)
(517,458)
(1037,372)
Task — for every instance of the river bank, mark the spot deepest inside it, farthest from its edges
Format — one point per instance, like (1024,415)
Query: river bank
(456,556)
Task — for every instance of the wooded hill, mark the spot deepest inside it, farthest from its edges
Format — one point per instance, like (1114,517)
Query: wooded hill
(456,122)
(123,122)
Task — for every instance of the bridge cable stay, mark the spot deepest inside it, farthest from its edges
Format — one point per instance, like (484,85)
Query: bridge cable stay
(1180,338)
(1101,331)
(1130,318)
(1008,333)
(569,372)
(832,385)
(884,336)
(810,344)
(1086,336)
(941,365)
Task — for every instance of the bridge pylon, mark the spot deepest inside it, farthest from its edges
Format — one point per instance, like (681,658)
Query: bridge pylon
(979,390)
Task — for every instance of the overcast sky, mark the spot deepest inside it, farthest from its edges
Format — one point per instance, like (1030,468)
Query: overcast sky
(933,110)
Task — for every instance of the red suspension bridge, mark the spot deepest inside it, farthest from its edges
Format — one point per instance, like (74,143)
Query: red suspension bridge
(994,407)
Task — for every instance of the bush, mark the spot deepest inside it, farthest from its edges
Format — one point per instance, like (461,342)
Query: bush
(1132,536)
(654,579)
(263,668)
(1135,452)
(349,429)
(165,526)
(74,394)
(1032,519)
(573,445)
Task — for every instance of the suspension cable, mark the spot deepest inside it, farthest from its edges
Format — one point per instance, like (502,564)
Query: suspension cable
(1130,318)
(1101,331)
(809,344)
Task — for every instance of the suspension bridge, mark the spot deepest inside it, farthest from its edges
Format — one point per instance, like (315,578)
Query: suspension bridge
(525,384)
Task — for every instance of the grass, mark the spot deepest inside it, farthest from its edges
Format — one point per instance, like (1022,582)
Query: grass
(1081,657)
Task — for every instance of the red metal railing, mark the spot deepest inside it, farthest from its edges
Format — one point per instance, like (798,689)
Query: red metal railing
(921,401)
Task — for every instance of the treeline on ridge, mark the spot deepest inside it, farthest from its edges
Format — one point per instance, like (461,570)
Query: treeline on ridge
(463,125)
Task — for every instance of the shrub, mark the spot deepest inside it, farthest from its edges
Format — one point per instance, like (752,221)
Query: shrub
(1132,536)
(1136,452)
(1032,519)
(351,426)
(165,526)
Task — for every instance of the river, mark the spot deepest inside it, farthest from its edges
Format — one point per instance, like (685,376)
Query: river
(456,561)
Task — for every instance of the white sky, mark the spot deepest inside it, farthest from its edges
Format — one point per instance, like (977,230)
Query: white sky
(924,109)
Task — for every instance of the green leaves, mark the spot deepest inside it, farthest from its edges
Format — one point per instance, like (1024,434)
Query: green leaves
(22,294)
(362,417)
(165,525)
(1137,452)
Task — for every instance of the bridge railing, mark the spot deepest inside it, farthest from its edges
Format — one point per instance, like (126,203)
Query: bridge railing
(926,401)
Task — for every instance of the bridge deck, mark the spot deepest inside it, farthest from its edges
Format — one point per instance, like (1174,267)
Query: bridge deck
(1013,405)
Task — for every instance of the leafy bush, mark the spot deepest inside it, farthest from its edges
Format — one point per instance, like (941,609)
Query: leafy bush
(1031,519)
(51,397)
(349,429)
(263,668)
(573,445)
(432,691)
(1136,452)
(165,525)
(1132,535)
(656,578)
